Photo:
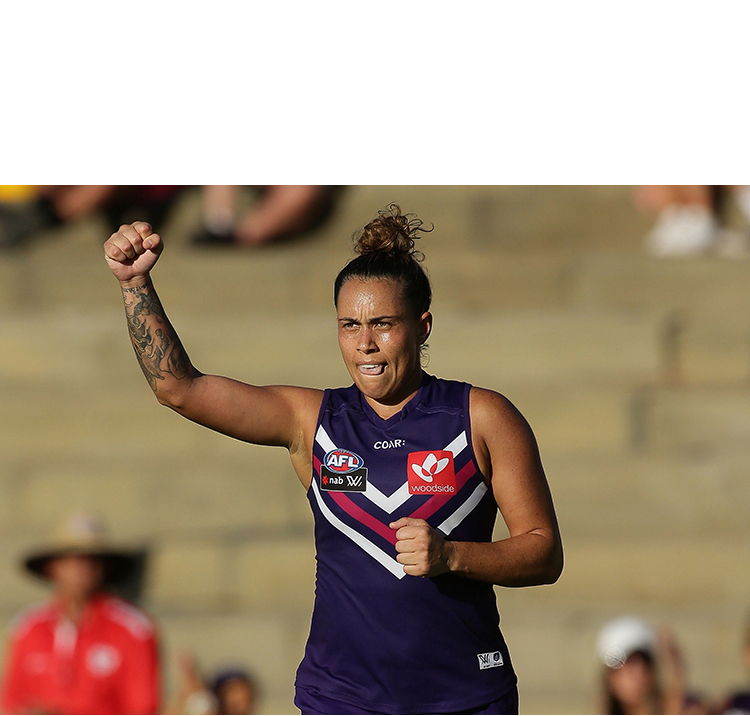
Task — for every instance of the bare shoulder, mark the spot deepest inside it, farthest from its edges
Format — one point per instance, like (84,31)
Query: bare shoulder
(303,400)
(306,401)
(306,404)
(500,433)
(491,412)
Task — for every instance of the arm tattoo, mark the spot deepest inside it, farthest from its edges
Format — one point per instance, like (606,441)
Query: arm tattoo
(157,347)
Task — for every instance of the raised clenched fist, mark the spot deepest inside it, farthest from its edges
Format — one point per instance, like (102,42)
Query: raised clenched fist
(132,251)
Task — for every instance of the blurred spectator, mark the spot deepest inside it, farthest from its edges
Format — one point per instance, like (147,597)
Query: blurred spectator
(235,691)
(739,701)
(27,210)
(121,204)
(690,219)
(20,215)
(84,651)
(232,691)
(643,671)
(282,212)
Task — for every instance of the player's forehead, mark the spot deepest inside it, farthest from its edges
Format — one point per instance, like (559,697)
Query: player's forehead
(369,297)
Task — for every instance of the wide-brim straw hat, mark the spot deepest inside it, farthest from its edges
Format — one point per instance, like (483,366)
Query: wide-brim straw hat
(85,534)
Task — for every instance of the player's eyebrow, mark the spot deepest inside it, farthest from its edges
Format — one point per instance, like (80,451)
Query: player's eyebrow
(374,319)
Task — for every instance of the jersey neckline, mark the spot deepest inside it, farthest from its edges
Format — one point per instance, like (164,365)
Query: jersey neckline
(386,423)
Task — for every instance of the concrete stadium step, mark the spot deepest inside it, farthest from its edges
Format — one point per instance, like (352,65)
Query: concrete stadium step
(87,348)
(231,567)
(557,219)
(643,572)
(556,347)
(698,423)
(711,350)
(65,265)
(296,277)
(252,493)
(697,286)
(610,497)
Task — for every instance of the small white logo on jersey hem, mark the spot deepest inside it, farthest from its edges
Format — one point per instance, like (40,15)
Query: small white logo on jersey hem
(490,660)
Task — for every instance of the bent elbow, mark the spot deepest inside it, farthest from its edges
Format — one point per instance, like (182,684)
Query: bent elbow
(176,394)
(555,565)
(173,399)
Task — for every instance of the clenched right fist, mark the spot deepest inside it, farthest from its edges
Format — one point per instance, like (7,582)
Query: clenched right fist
(132,251)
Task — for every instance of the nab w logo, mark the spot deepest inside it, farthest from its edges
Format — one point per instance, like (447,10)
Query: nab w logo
(490,660)
(354,481)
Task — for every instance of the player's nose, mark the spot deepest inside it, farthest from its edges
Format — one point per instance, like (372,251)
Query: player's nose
(366,342)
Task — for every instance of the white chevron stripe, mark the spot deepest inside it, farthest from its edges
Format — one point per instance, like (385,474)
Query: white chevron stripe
(396,569)
(388,503)
(391,503)
(458,444)
(324,440)
(448,525)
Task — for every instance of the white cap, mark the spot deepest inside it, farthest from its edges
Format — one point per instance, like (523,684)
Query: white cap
(623,636)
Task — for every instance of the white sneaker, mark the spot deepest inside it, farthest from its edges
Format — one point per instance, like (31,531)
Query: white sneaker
(682,230)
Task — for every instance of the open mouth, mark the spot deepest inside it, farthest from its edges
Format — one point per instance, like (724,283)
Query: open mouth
(371,368)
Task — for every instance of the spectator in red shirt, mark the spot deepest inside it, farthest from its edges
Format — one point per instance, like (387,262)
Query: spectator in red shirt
(84,651)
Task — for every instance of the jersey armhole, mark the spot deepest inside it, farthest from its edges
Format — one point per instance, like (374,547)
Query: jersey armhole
(318,423)
(469,437)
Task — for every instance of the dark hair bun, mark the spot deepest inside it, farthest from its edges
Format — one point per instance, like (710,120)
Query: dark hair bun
(386,251)
(391,232)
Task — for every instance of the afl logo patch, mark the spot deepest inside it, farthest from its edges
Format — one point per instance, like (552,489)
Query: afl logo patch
(342,461)
(343,471)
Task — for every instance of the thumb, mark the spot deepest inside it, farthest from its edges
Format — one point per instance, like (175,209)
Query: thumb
(405,522)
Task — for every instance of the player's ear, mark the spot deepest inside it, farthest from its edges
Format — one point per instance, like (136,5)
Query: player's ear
(425,327)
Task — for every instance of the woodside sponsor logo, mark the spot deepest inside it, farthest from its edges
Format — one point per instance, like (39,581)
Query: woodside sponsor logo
(431,472)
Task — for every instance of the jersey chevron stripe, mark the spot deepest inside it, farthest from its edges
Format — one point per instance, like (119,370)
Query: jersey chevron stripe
(324,440)
(432,505)
(458,445)
(388,503)
(355,511)
(396,569)
(447,526)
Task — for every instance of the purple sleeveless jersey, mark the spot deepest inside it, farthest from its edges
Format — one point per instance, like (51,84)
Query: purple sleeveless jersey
(381,640)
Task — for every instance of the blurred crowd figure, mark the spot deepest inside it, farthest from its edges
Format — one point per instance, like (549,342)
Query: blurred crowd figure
(232,690)
(84,650)
(283,211)
(691,220)
(738,701)
(279,212)
(644,672)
